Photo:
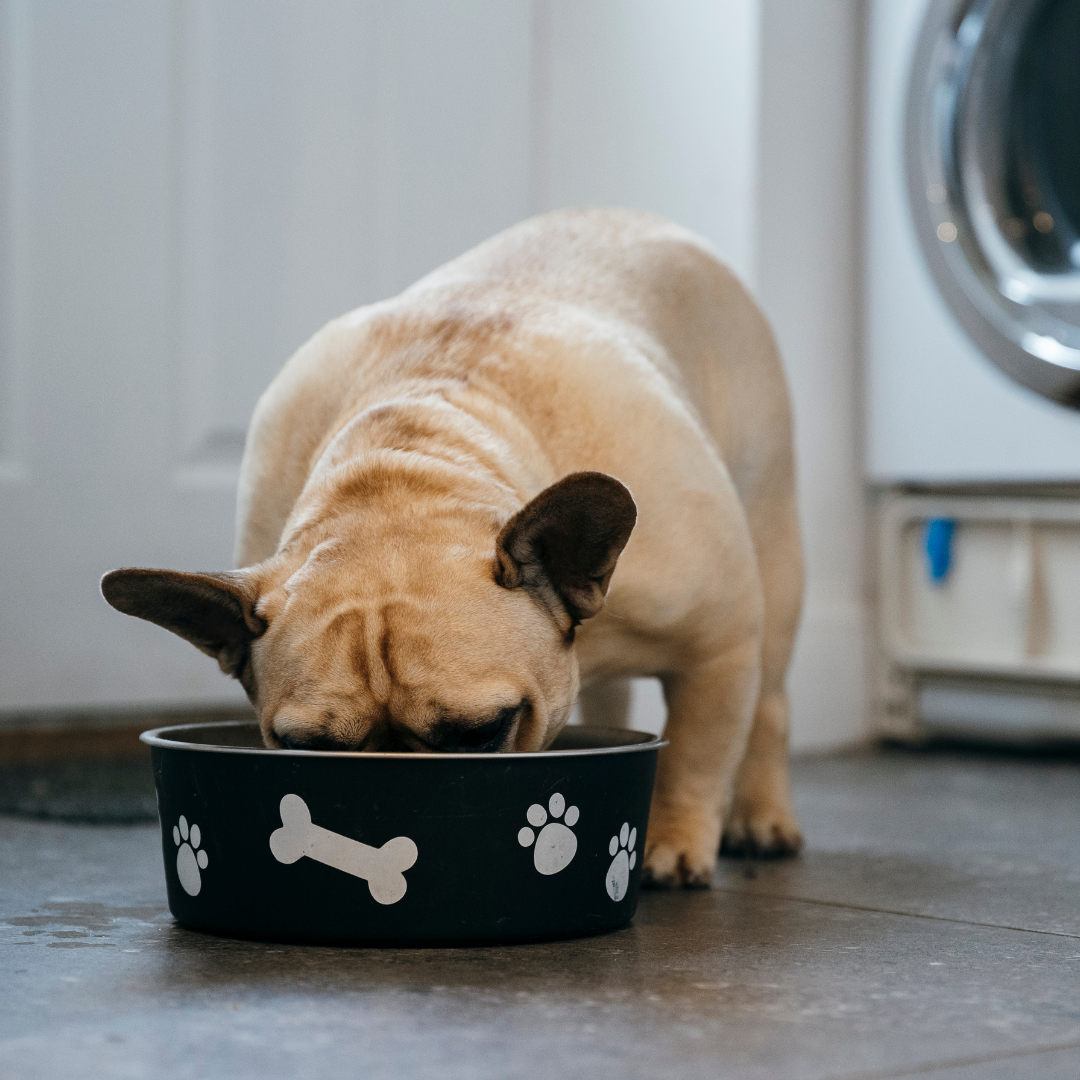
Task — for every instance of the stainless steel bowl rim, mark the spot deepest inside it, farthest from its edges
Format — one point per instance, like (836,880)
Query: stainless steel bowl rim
(157,737)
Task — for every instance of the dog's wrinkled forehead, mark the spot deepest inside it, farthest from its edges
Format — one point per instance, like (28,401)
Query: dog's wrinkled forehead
(381,644)
(372,628)
(321,560)
(400,566)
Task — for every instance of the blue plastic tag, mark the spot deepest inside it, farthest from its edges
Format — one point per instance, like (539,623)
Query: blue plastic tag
(938,546)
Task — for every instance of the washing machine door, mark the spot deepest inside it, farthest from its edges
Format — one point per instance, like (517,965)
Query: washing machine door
(993,156)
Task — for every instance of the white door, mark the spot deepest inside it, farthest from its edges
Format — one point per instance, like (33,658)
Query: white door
(190,189)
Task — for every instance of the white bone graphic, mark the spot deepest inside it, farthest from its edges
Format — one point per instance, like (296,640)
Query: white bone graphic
(380,867)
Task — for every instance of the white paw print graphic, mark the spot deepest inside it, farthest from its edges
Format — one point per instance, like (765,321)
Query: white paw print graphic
(622,847)
(188,864)
(556,844)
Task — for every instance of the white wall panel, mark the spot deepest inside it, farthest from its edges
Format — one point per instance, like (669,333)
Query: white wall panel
(196,187)
(276,152)
(87,323)
(328,156)
(739,119)
(655,106)
(457,126)
(14,85)
(808,257)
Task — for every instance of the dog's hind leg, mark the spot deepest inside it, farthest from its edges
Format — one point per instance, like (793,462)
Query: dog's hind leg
(605,703)
(761,820)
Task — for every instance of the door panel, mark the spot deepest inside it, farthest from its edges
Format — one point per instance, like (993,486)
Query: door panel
(189,191)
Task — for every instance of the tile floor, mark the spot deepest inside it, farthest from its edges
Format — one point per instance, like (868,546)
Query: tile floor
(932,929)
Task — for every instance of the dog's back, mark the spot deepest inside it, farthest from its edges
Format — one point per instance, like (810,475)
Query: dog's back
(633,270)
(644,271)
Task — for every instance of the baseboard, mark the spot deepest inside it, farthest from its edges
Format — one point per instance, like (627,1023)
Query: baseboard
(57,735)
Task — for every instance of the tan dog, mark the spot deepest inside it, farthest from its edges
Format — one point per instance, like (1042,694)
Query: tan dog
(427,512)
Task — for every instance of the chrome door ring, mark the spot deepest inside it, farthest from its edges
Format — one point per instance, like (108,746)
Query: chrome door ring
(1002,246)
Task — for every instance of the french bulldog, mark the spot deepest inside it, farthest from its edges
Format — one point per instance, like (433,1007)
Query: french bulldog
(562,460)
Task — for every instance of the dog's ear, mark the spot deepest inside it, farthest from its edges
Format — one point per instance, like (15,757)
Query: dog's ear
(563,545)
(215,612)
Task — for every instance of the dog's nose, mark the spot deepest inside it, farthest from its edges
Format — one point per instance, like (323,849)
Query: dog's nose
(460,737)
(295,741)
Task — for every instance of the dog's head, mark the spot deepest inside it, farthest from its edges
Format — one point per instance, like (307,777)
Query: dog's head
(427,635)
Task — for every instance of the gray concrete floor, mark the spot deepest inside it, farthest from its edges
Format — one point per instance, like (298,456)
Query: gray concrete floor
(932,929)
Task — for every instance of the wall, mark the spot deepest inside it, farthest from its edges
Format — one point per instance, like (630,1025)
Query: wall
(655,106)
(739,119)
(191,189)
(807,280)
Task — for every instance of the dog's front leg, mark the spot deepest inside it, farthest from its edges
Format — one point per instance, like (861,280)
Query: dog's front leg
(710,711)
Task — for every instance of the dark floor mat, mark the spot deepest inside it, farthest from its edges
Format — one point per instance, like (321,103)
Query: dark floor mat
(116,791)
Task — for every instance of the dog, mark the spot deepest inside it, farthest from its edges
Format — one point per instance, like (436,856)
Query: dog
(558,461)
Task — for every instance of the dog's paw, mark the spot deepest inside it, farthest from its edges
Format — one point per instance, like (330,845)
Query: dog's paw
(761,830)
(680,851)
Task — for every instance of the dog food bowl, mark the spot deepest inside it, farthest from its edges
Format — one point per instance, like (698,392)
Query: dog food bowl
(354,848)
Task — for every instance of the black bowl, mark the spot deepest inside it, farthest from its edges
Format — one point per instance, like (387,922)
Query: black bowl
(351,848)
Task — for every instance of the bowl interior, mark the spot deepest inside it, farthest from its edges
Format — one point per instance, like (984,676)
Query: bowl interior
(244,735)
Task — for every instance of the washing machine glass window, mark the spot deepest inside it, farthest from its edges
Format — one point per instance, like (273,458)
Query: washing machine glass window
(1041,213)
(993,154)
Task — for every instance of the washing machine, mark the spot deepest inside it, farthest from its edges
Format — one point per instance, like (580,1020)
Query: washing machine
(972,349)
